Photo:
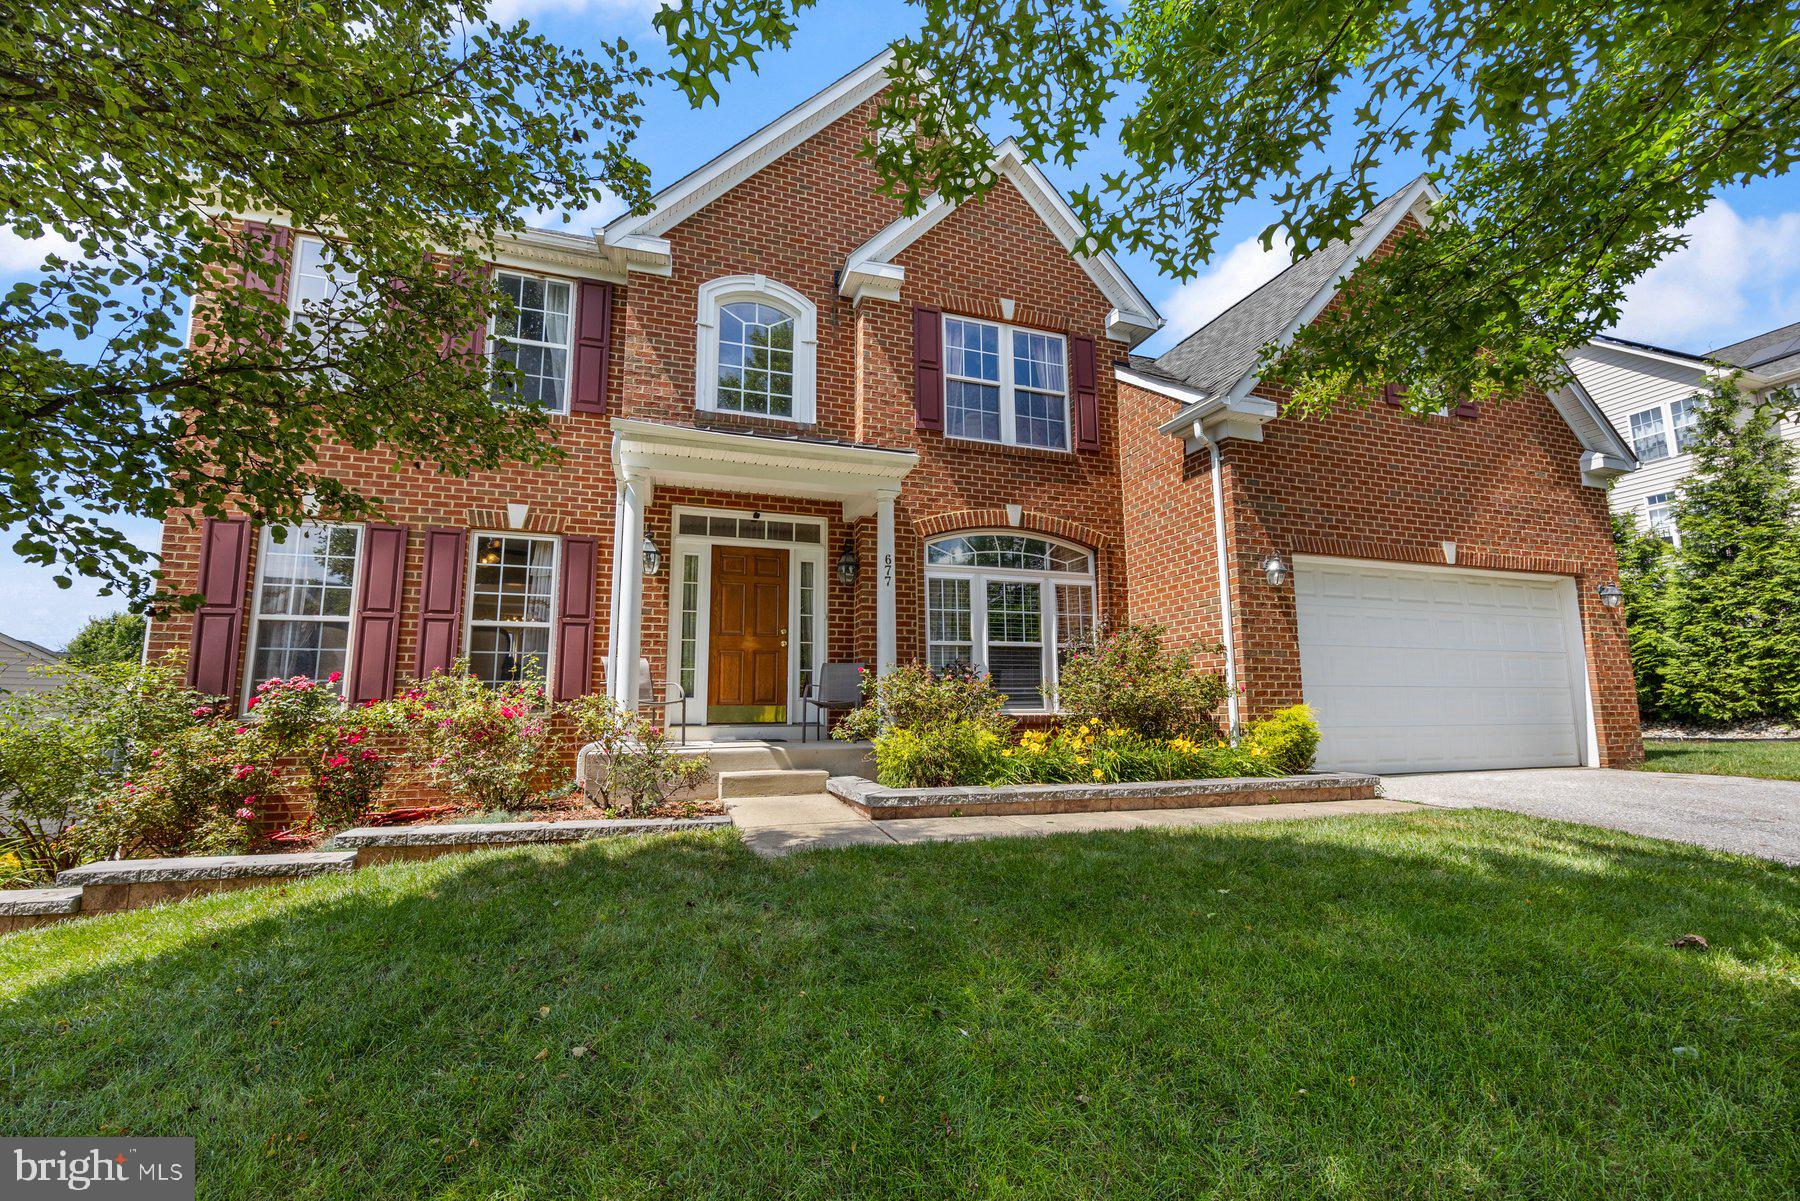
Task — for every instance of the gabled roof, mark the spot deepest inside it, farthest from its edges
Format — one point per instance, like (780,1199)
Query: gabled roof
(871,271)
(636,238)
(1222,355)
(1649,349)
(1774,353)
(28,648)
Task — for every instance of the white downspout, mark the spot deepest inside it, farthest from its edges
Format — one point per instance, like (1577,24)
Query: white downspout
(1228,638)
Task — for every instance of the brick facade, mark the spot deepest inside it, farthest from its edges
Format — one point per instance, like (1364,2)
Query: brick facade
(1505,485)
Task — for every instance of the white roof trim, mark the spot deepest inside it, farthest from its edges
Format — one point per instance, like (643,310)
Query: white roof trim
(687,456)
(1605,455)
(1692,361)
(639,232)
(1161,387)
(871,271)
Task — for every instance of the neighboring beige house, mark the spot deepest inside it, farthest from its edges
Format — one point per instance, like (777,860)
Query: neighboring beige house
(17,658)
(1648,393)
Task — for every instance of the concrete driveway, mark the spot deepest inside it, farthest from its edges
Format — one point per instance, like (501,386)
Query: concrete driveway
(1726,813)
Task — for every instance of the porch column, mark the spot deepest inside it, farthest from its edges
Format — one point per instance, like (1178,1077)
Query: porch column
(628,574)
(886,636)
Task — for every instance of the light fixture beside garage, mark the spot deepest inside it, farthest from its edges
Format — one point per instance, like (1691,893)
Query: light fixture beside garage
(1611,595)
(1275,569)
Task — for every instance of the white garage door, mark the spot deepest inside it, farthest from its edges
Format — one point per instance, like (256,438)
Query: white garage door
(1439,669)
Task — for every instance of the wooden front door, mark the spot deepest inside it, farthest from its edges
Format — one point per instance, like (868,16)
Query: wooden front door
(747,665)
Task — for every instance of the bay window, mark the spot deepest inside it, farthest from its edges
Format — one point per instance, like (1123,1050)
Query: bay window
(1012,605)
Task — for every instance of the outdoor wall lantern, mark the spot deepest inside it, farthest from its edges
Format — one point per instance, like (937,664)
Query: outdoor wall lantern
(652,556)
(1611,595)
(1276,569)
(848,565)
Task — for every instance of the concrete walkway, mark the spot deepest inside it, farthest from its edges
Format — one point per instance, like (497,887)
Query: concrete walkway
(1726,813)
(782,825)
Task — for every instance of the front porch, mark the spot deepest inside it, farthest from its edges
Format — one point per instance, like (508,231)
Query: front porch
(727,580)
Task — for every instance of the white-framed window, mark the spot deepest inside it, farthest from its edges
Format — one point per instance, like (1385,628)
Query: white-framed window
(1684,419)
(321,295)
(1010,604)
(300,616)
(1659,510)
(1648,438)
(1005,384)
(511,607)
(756,349)
(534,336)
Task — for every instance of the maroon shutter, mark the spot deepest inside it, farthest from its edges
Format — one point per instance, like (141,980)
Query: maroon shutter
(575,618)
(224,571)
(593,346)
(928,368)
(1087,397)
(441,599)
(270,244)
(1467,408)
(1391,394)
(377,622)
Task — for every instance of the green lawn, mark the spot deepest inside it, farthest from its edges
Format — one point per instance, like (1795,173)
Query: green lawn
(1447,1004)
(1770,760)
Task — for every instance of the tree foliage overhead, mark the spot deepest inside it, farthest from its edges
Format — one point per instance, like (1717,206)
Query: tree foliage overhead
(411,131)
(1568,138)
(1716,620)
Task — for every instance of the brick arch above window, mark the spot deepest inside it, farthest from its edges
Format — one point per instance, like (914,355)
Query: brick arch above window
(966,520)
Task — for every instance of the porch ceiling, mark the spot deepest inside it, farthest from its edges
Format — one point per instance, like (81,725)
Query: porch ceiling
(681,455)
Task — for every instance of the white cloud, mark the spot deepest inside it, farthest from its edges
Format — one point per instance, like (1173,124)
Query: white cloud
(1735,277)
(20,255)
(580,221)
(1225,281)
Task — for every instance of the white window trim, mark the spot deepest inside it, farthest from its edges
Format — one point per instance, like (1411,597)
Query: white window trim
(1009,435)
(257,617)
(1662,432)
(295,255)
(714,295)
(693,712)
(469,621)
(1047,604)
(1673,531)
(492,340)
(1670,435)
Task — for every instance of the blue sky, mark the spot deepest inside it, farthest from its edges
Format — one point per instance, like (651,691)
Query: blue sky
(1739,275)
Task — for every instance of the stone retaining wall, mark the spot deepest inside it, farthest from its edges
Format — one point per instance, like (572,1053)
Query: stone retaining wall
(883,804)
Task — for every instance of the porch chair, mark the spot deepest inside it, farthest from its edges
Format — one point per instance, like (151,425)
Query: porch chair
(833,686)
(664,695)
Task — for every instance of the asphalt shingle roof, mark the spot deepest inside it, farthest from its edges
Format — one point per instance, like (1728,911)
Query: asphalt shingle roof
(1217,355)
(1767,354)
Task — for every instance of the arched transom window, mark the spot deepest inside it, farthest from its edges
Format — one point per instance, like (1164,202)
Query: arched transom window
(1013,605)
(756,349)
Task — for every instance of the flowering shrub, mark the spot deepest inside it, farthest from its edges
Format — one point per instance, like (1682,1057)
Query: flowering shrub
(485,744)
(308,721)
(638,769)
(1091,754)
(63,748)
(197,793)
(913,696)
(1127,679)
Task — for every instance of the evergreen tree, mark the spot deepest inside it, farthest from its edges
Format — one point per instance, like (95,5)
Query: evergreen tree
(1733,607)
(1645,563)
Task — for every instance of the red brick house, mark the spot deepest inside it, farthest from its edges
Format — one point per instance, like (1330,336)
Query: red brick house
(802,428)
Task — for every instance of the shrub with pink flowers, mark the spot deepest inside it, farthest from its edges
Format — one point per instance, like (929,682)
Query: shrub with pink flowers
(485,744)
(308,722)
(197,793)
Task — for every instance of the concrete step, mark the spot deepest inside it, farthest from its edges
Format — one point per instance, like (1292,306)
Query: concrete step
(734,784)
